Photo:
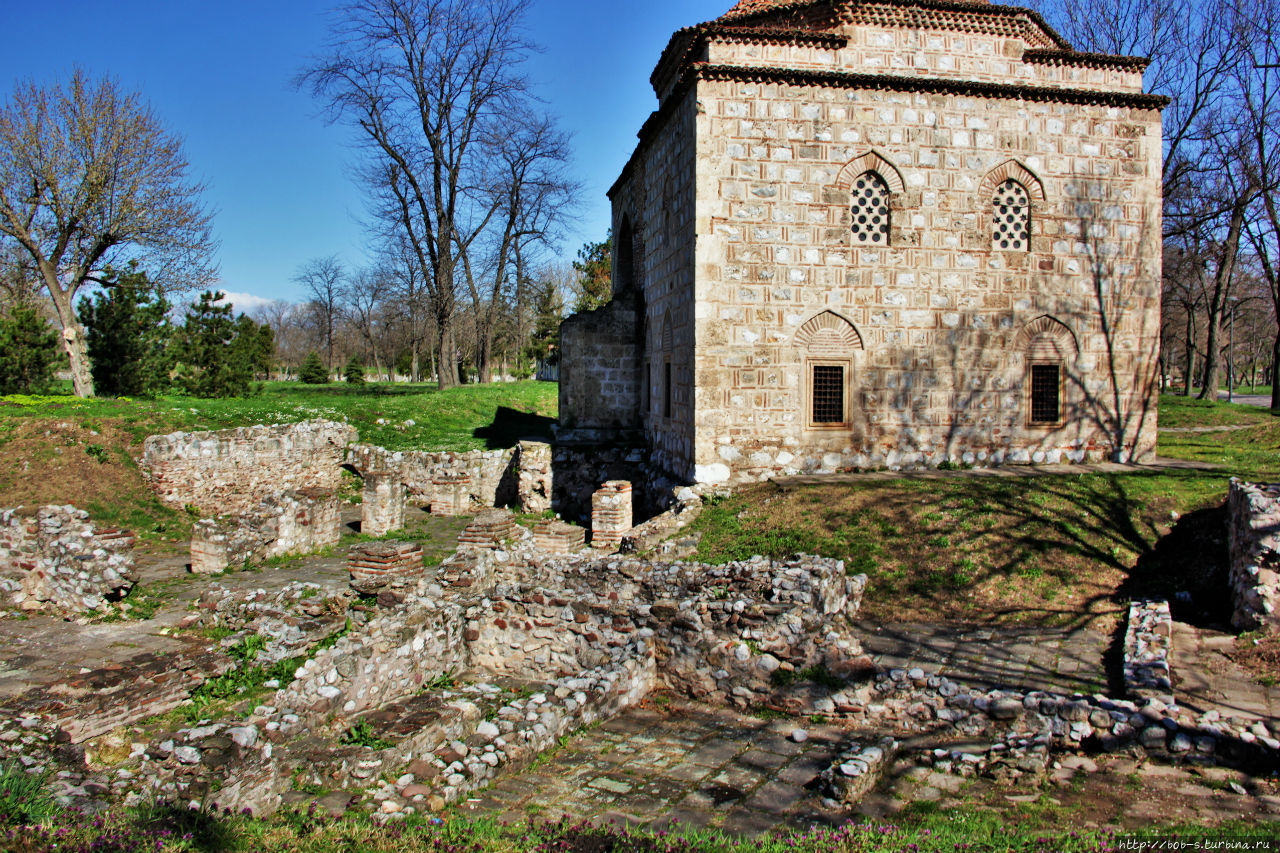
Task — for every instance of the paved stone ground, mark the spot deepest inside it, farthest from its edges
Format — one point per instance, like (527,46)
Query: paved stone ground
(709,767)
(1006,471)
(41,650)
(1025,658)
(699,766)
(1205,678)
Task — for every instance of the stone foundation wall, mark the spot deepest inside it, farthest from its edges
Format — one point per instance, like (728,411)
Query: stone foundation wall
(493,473)
(392,656)
(232,471)
(295,522)
(1254,536)
(53,555)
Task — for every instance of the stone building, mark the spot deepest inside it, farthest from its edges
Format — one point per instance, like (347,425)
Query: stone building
(892,233)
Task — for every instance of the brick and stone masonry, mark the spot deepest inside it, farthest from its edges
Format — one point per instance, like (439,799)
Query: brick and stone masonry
(382,510)
(53,555)
(451,494)
(233,470)
(610,514)
(374,565)
(489,529)
(294,522)
(558,537)
(741,273)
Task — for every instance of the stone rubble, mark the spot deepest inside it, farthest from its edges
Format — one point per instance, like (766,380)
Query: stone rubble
(1147,642)
(1253,528)
(53,556)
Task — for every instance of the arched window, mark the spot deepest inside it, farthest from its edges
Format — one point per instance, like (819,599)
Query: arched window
(1048,346)
(1011,218)
(828,342)
(870,210)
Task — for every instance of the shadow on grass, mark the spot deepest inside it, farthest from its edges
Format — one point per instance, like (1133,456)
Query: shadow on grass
(511,426)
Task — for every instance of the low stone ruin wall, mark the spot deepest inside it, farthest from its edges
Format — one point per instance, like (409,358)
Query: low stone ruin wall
(492,472)
(232,471)
(295,522)
(54,556)
(579,471)
(1148,639)
(1254,537)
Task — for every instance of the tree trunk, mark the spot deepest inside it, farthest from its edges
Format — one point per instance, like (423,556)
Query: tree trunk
(73,340)
(447,363)
(1275,372)
(1191,353)
(1221,289)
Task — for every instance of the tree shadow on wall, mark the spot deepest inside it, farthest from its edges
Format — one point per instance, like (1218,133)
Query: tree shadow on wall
(510,427)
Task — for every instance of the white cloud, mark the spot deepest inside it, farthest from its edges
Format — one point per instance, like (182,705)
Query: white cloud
(245,302)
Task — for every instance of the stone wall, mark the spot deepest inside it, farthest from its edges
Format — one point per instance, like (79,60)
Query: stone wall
(53,555)
(232,470)
(518,476)
(294,522)
(1254,537)
(749,273)
(600,371)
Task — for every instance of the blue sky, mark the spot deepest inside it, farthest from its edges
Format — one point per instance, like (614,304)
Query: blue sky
(218,74)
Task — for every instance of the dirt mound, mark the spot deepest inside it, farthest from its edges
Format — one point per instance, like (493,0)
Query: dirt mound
(53,461)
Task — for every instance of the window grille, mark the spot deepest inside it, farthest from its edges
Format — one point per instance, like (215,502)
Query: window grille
(828,394)
(666,389)
(870,210)
(1011,217)
(1046,391)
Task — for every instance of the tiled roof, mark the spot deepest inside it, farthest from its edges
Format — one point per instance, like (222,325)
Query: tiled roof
(743,8)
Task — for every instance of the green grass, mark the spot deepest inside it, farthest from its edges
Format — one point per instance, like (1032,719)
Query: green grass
(473,417)
(1055,550)
(165,827)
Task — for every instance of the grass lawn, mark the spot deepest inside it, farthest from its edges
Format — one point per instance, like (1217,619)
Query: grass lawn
(162,828)
(61,449)
(1060,550)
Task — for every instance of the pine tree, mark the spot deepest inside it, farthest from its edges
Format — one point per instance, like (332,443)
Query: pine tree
(128,335)
(213,362)
(354,371)
(544,345)
(28,351)
(595,274)
(313,371)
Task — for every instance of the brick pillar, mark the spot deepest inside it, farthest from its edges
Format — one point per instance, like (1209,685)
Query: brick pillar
(557,537)
(374,565)
(383,509)
(610,514)
(450,494)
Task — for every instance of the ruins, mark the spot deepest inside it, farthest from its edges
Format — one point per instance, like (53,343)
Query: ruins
(878,234)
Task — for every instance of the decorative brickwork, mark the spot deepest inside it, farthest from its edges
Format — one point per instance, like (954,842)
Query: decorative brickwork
(743,212)
(610,514)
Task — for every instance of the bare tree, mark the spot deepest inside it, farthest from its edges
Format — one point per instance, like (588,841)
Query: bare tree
(425,81)
(530,196)
(87,175)
(322,278)
(364,299)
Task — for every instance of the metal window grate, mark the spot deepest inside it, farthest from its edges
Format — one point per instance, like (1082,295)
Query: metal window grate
(1011,217)
(828,394)
(1045,393)
(871,210)
(666,389)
